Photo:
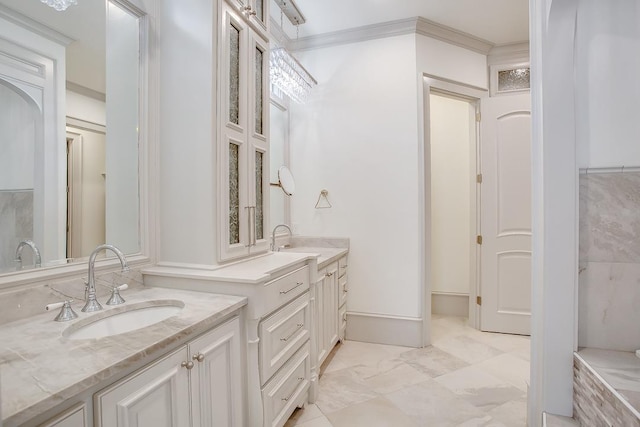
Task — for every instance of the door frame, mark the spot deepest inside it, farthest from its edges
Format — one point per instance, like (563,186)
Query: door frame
(442,86)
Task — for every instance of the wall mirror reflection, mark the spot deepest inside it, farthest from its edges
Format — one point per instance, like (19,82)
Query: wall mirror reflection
(70,84)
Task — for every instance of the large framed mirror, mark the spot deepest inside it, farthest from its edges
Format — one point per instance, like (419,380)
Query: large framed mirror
(71,97)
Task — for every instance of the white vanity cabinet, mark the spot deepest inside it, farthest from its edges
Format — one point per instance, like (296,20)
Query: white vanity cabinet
(326,310)
(198,385)
(331,308)
(74,417)
(243,144)
(280,347)
(343,289)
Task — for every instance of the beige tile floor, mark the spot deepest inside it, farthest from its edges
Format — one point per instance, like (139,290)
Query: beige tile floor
(466,378)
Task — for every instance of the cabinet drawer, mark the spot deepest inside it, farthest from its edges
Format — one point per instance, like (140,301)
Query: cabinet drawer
(342,321)
(342,266)
(282,334)
(287,389)
(342,290)
(286,288)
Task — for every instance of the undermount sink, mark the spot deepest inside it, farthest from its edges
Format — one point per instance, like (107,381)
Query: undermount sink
(123,319)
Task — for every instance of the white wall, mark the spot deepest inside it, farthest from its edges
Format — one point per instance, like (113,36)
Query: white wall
(122,204)
(357,137)
(450,121)
(17,140)
(187,134)
(608,88)
(85,108)
(441,59)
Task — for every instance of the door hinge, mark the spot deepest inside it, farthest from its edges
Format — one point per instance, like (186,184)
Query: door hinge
(479,300)
(479,239)
(479,178)
(478,117)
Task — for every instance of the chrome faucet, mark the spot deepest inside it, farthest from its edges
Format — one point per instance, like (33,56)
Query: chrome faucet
(92,303)
(37,260)
(273,235)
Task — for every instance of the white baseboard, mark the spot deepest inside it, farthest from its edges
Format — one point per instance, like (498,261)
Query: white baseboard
(382,329)
(450,304)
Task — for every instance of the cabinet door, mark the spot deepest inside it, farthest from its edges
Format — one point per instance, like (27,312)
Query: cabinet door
(321,343)
(158,396)
(244,148)
(216,380)
(74,417)
(258,92)
(233,148)
(331,306)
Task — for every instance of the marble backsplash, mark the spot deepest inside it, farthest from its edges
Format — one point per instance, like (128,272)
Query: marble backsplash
(609,279)
(23,302)
(16,224)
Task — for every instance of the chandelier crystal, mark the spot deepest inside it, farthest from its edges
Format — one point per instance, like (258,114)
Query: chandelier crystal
(289,76)
(59,5)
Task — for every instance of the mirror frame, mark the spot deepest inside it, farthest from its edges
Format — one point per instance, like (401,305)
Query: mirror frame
(286,181)
(147,121)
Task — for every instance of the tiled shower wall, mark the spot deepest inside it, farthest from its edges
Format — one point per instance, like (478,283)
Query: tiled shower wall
(16,224)
(609,279)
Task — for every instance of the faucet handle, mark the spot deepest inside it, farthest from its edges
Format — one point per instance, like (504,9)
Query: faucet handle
(66,313)
(116,298)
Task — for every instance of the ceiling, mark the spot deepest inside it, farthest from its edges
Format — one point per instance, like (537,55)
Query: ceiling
(85,24)
(497,21)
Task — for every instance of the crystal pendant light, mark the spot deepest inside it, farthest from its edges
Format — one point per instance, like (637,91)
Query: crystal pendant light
(289,76)
(59,5)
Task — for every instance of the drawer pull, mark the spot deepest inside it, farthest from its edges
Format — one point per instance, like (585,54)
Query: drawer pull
(298,284)
(286,399)
(343,266)
(299,326)
(199,357)
(328,274)
(188,365)
(344,318)
(345,290)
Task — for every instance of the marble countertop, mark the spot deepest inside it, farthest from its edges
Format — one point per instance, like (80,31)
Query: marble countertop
(40,368)
(326,255)
(253,271)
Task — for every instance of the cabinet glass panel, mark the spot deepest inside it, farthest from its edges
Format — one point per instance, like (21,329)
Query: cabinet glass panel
(260,10)
(234,194)
(234,74)
(259,196)
(259,93)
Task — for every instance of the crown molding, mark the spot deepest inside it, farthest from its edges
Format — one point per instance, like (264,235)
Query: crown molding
(83,90)
(34,26)
(509,53)
(417,25)
(452,36)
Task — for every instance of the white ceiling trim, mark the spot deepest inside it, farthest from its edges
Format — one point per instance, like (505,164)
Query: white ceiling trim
(417,25)
(34,26)
(509,53)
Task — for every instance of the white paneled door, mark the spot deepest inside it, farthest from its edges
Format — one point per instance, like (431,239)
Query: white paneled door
(505,214)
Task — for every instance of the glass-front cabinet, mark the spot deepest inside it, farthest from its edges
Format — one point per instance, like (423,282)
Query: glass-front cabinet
(243,152)
(255,11)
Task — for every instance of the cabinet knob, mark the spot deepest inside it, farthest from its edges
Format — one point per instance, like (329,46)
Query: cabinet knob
(188,365)
(345,290)
(199,357)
